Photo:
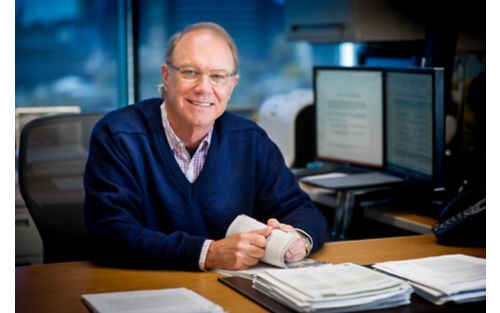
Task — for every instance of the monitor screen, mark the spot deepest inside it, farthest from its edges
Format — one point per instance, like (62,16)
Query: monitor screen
(414,123)
(349,115)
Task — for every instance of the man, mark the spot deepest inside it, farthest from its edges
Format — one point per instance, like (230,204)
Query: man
(165,178)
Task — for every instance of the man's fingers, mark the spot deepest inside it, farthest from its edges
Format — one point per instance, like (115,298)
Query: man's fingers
(273,223)
(256,252)
(263,232)
(237,252)
(247,259)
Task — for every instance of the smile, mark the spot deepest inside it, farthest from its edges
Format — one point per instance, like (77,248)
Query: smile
(201,104)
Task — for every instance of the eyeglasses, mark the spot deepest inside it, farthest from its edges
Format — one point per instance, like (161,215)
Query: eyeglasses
(216,78)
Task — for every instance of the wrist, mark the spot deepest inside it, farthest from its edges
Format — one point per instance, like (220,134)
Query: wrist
(205,261)
(307,242)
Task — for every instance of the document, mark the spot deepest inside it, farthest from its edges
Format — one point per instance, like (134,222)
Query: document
(174,300)
(440,279)
(335,280)
(343,287)
(277,243)
(260,267)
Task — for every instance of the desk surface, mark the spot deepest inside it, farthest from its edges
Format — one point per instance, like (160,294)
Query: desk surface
(58,287)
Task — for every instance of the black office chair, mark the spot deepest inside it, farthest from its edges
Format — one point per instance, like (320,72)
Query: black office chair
(53,152)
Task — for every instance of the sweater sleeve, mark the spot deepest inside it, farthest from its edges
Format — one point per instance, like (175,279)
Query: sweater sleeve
(279,196)
(114,211)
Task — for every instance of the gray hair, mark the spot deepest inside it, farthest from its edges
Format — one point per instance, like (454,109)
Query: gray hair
(217,29)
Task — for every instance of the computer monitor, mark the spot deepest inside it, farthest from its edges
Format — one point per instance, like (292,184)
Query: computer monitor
(415,126)
(349,115)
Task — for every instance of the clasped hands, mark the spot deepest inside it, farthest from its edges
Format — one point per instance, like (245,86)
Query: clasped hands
(240,251)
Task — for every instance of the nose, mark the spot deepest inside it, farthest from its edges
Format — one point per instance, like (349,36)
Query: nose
(203,84)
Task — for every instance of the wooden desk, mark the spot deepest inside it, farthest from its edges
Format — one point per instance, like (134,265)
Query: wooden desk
(58,287)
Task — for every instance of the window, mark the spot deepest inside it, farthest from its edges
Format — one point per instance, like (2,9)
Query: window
(67,54)
(74,52)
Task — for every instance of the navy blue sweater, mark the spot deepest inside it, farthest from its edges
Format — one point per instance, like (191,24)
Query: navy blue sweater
(140,209)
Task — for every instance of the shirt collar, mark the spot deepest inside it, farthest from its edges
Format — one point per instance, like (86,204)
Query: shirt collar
(174,141)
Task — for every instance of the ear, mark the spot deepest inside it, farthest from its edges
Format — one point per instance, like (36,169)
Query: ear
(234,82)
(164,73)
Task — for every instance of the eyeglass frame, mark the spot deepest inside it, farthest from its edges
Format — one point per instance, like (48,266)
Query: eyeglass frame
(199,73)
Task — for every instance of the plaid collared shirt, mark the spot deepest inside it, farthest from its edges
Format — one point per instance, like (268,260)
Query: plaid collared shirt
(190,166)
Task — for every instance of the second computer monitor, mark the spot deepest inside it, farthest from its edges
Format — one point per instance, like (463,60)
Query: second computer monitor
(415,125)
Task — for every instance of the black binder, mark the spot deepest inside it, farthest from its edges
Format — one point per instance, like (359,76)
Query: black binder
(244,286)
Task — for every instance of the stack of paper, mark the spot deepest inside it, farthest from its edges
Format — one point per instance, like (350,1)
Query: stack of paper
(333,288)
(440,279)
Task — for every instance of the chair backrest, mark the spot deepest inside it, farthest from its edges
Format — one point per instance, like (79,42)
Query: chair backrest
(53,152)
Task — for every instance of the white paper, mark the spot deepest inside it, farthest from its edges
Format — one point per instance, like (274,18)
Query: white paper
(260,267)
(174,300)
(448,274)
(335,280)
(439,298)
(454,277)
(277,243)
(247,273)
(336,288)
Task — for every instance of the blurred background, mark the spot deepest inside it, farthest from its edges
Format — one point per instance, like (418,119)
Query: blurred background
(102,55)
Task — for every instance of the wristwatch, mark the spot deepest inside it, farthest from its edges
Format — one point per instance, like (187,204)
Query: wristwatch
(307,243)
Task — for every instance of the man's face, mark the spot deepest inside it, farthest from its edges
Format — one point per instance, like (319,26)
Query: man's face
(194,106)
